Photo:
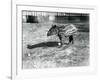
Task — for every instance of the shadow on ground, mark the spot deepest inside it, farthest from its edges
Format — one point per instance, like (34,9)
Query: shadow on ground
(43,44)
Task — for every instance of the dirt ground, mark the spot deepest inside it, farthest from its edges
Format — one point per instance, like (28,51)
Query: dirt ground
(40,51)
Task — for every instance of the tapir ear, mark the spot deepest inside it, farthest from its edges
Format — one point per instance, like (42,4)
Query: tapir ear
(54,26)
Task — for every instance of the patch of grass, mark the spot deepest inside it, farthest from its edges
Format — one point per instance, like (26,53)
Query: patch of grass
(76,54)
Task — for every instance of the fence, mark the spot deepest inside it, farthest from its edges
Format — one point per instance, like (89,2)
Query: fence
(55,17)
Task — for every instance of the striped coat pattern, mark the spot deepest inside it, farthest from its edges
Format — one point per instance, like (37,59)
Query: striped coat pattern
(63,32)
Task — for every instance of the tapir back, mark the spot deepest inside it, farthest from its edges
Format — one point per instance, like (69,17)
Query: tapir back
(69,29)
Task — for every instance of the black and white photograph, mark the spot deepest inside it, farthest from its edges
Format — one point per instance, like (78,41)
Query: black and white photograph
(55,39)
(50,40)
